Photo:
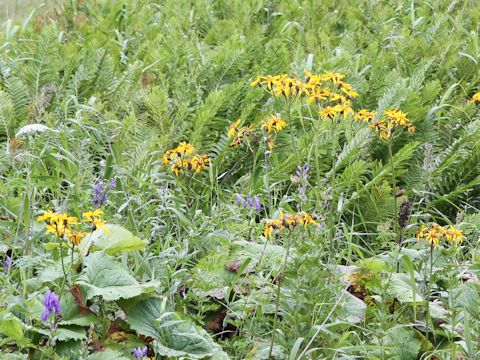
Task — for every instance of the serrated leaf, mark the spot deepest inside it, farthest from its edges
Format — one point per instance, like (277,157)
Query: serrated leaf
(119,239)
(11,326)
(105,277)
(108,354)
(173,335)
(402,288)
(71,333)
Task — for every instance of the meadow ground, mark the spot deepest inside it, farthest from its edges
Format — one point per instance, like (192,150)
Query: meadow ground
(240,179)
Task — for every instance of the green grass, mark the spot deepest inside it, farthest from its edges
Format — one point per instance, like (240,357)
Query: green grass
(95,91)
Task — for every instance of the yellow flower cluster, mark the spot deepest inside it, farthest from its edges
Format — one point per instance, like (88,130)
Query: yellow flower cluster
(274,124)
(95,218)
(288,221)
(391,120)
(61,224)
(239,134)
(434,233)
(327,88)
(183,158)
(476,98)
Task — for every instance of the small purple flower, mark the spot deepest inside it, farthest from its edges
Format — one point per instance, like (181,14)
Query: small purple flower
(51,304)
(113,183)
(139,353)
(249,201)
(302,172)
(7,263)
(306,169)
(239,200)
(99,196)
(257,203)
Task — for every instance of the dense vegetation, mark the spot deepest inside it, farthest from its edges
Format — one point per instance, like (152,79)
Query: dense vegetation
(238,179)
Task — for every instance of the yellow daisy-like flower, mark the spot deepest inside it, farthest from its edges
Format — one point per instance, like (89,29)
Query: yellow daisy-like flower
(476,97)
(59,224)
(76,237)
(328,112)
(233,128)
(185,148)
(454,235)
(434,235)
(365,115)
(421,232)
(100,225)
(90,215)
(307,219)
(46,216)
(274,124)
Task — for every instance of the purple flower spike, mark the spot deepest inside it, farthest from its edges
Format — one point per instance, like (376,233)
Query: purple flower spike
(139,353)
(113,183)
(306,169)
(257,203)
(239,199)
(99,196)
(8,263)
(249,201)
(51,304)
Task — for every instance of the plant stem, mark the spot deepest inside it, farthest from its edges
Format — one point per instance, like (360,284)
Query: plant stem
(427,295)
(277,302)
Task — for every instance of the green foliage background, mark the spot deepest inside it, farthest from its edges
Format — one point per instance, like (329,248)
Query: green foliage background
(121,82)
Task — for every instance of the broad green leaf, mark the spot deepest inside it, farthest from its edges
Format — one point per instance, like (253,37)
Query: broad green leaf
(119,239)
(71,333)
(404,343)
(11,326)
(108,354)
(174,337)
(105,277)
(402,288)
(353,309)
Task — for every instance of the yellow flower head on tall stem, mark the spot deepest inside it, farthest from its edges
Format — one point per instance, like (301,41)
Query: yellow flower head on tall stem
(328,112)
(476,97)
(95,217)
(233,128)
(76,237)
(434,235)
(274,124)
(454,235)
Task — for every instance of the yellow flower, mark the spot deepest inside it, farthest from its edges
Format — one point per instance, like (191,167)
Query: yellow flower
(185,148)
(199,162)
(59,224)
(328,112)
(257,81)
(46,216)
(274,124)
(365,115)
(90,215)
(421,232)
(100,224)
(476,97)
(241,134)
(233,128)
(270,225)
(307,219)
(434,235)
(319,95)
(94,217)
(333,76)
(454,235)
(283,89)
(76,237)
(344,110)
